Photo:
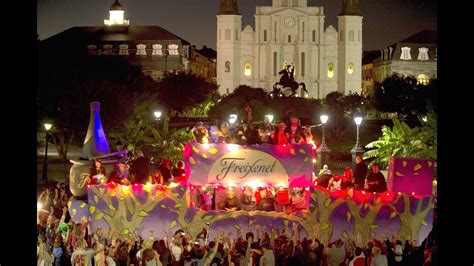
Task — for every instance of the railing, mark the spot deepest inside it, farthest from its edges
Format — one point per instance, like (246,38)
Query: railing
(58,170)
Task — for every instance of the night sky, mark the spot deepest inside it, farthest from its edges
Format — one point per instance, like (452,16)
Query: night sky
(385,21)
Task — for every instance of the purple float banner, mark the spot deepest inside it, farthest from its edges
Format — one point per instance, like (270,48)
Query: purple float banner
(256,165)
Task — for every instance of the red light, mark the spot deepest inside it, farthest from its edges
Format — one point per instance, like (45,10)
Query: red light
(363,192)
(307,188)
(192,187)
(242,188)
(413,193)
(88,186)
(388,194)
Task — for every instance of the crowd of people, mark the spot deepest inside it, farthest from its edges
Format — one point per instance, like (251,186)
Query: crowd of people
(250,133)
(62,242)
(359,178)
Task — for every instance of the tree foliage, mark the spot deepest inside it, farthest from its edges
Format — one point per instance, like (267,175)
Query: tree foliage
(141,133)
(402,95)
(235,102)
(65,90)
(403,141)
(180,91)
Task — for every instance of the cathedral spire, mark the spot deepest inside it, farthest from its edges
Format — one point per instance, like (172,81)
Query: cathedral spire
(350,8)
(228,7)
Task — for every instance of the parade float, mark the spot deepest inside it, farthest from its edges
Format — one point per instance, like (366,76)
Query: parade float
(282,171)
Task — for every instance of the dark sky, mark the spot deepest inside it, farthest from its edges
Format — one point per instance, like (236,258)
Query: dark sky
(385,21)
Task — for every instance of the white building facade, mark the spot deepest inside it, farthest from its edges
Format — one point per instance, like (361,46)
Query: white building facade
(290,33)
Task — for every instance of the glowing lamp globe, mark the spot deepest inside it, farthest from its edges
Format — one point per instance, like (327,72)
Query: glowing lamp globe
(358,120)
(47,126)
(324,118)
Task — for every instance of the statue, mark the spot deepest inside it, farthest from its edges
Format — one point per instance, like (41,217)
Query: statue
(287,80)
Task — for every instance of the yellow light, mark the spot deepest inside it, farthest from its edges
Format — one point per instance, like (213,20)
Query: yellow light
(39,205)
(350,69)
(247,69)
(173,184)
(232,147)
(125,189)
(330,70)
(314,160)
(47,126)
(255,184)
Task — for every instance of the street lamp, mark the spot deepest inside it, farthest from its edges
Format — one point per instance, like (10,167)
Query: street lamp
(157,115)
(358,149)
(269,117)
(323,152)
(47,126)
(232,118)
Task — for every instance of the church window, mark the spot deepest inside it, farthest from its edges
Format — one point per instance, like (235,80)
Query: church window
(289,38)
(341,36)
(351,35)
(264,35)
(302,64)
(330,70)
(350,69)
(302,32)
(247,69)
(236,34)
(157,49)
(405,53)
(423,54)
(227,35)
(422,79)
(274,63)
(173,49)
(123,49)
(275,32)
(314,35)
(141,49)
(227,66)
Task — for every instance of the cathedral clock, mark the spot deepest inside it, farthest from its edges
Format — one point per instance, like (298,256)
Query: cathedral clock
(289,22)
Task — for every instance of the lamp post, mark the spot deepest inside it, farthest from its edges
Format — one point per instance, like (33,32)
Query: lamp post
(323,151)
(269,117)
(232,118)
(47,126)
(358,149)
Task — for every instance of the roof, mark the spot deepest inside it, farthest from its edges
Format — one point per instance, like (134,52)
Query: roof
(116,6)
(228,7)
(128,33)
(425,37)
(350,8)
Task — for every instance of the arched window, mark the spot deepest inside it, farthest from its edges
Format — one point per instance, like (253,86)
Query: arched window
(227,35)
(405,53)
(350,69)
(423,54)
(123,49)
(141,49)
(314,35)
(264,35)
(173,49)
(330,70)
(157,49)
(423,79)
(247,69)
(351,35)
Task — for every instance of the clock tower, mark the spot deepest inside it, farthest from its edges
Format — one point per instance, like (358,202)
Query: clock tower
(229,27)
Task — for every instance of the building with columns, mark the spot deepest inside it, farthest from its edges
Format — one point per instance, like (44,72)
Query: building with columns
(153,48)
(289,32)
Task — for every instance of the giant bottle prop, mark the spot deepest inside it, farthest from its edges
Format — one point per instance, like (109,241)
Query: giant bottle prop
(95,146)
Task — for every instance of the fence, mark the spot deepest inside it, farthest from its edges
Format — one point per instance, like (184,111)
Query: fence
(58,170)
